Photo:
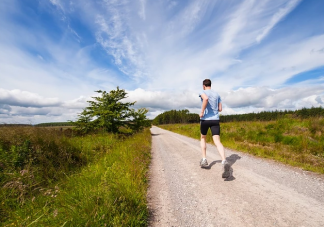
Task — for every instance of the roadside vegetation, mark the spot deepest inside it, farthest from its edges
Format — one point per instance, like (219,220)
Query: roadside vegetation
(294,141)
(73,177)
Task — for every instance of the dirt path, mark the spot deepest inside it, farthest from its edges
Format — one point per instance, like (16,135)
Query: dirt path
(259,192)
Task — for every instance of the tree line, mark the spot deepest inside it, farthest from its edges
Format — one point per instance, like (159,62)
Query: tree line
(50,124)
(176,116)
(13,125)
(183,116)
(275,115)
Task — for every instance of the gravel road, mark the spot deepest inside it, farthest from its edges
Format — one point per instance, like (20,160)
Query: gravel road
(260,192)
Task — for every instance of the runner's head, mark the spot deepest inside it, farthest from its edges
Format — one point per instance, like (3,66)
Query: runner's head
(207,83)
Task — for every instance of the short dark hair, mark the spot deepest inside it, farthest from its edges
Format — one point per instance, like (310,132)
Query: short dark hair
(207,82)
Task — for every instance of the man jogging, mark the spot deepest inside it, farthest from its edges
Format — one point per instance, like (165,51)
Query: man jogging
(209,118)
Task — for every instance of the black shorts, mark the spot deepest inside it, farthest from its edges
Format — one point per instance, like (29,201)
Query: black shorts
(212,124)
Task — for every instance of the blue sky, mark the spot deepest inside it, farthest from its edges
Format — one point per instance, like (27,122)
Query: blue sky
(260,55)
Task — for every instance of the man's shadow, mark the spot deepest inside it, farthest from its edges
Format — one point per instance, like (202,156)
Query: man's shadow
(231,160)
(212,163)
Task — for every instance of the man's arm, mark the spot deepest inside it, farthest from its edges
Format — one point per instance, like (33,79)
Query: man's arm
(204,104)
(220,107)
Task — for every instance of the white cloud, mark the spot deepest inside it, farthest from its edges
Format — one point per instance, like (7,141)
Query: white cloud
(251,99)
(25,107)
(158,100)
(31,111)
(26,99)
(266,98)
(78,103)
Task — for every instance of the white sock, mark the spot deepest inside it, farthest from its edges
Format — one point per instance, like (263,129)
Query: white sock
(204,159)
(223,162)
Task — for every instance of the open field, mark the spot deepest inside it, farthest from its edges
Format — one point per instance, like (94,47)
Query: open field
(49,178)
(297,142)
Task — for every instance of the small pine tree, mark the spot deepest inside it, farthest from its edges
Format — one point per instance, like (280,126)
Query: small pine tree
(109,113)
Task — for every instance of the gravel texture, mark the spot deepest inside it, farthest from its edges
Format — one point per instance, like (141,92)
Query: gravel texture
(259,192)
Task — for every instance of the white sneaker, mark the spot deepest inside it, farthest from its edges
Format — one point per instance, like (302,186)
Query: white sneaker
(203,163)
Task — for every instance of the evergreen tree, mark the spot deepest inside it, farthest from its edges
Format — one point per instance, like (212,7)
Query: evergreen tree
(107,112)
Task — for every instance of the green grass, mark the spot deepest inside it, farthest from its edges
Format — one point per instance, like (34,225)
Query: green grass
(295,142)
(105,186)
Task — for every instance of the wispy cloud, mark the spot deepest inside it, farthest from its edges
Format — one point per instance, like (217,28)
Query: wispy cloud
(115,35)
(58,4)
(275,63)
(142,12)
(279,15)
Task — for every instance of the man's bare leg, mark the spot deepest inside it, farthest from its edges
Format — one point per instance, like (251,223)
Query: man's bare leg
(226,167)
(219,146)
(203,161)
(203,145)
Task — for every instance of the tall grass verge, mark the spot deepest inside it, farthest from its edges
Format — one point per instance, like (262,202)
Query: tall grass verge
(297,142)
(49,179)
